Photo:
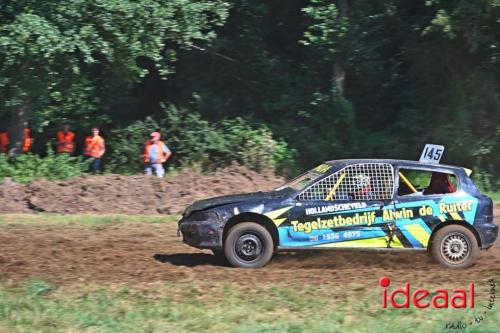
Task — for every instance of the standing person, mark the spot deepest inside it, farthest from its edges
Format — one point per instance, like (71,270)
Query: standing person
(4,142)
(94,149)
(155,153)
(28,140)
(65,140)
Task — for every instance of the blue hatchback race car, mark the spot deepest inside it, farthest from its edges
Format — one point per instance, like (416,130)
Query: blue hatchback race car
(356,204)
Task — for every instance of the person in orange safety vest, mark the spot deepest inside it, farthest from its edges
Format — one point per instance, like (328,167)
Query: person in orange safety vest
(94,149)
(65,140)
(155,154)
(28,140)
(4,142)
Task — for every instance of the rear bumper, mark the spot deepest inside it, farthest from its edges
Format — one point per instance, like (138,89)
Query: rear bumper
(201,234)
(488,232)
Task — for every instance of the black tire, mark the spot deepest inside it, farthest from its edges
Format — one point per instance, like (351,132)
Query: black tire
(455,246)
(248,245)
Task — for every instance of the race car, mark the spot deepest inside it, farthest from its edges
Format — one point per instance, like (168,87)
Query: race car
(351,204)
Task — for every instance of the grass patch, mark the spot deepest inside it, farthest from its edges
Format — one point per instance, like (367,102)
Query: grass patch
(37,306)
(82,220)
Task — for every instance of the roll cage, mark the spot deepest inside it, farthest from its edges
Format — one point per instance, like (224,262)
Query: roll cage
(397,175)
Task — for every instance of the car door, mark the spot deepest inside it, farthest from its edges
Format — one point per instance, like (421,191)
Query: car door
(417,210)
(344,209)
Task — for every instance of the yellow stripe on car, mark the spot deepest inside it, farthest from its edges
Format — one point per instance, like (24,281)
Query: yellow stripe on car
(419,233)
(273,215)
(278,222)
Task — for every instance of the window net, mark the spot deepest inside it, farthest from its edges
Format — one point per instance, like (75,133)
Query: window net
(367,181)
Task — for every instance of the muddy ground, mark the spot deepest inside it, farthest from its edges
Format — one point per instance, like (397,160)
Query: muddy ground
(117,194)
(141,253)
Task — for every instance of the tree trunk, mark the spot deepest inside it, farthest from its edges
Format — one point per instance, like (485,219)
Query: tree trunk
(338,75)
(18,122)
(338,64)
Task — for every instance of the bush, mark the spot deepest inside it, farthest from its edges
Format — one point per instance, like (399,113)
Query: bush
(126,145)
(196,142)
(28,167)
(255,148)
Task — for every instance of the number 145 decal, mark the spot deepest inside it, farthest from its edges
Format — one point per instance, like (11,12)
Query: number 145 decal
(432,153)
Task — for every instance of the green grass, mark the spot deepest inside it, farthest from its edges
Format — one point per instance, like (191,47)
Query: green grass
(37,306)
(82,220)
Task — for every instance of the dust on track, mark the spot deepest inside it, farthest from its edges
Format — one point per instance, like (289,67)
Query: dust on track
(138,253)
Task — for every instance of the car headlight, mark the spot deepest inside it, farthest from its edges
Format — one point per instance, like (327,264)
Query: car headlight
(203,216)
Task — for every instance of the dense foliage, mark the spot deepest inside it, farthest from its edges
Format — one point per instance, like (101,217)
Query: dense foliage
(27,167)
(76,58)
(198,143)
(334,79)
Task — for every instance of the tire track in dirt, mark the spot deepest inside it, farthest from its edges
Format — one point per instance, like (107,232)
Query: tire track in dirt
(136,253)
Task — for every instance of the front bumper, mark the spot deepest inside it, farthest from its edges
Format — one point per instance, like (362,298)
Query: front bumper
(204,234)
(488,232)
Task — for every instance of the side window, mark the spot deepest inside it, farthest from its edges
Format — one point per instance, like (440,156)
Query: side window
(425,182)
(366,181)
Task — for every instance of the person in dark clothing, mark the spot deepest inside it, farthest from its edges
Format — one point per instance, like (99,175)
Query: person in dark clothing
(440,184)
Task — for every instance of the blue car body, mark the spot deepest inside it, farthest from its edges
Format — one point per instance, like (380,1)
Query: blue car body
(326,218)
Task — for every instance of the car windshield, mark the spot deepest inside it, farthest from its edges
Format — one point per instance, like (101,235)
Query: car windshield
(303,180)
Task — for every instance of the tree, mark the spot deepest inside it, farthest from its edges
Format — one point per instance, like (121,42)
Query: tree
(69,58)
(333,78)
(328,30)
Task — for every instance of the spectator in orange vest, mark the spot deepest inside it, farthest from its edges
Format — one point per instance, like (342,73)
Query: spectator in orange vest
(4,142)
(94,149)
(28,140)
(65,140)
(155,154)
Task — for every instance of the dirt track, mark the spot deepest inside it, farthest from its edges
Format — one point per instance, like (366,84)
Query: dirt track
(138,253)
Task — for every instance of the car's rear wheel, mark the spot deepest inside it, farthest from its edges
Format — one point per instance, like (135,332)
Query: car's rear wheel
(455,246)
(248,245)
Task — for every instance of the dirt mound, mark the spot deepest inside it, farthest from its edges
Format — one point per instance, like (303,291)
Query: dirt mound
(117,194)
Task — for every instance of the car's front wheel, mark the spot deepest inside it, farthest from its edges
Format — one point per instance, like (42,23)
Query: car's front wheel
(455,246)
(248,245)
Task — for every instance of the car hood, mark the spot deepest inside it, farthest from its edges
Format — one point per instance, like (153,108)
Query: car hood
(230,199)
